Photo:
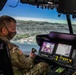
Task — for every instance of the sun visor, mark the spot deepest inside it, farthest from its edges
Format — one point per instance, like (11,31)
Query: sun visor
(41,38)
(56,37)
(63,37)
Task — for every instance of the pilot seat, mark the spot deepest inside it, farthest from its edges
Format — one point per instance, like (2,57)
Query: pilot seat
(5,62)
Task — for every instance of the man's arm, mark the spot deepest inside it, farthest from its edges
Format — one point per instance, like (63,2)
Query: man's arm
(19,60)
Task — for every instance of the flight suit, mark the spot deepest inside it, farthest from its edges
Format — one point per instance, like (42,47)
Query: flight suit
(23,65)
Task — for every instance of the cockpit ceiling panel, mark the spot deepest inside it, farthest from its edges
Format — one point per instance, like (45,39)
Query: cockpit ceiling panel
(34,1)
(67,6)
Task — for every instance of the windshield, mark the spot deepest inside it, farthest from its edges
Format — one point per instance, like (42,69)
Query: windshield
(32,21)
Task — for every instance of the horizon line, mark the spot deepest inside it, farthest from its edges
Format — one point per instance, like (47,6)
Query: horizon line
(43,20)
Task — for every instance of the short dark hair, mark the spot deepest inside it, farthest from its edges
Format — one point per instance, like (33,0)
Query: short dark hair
(6,20)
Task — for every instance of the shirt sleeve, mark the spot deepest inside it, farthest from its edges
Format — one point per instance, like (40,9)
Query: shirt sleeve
(19,60)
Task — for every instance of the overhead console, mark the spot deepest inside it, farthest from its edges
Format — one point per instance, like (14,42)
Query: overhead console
(67,6)
(62,6)
(57,50)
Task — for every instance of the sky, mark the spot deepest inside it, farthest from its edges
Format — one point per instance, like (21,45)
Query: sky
(29,12)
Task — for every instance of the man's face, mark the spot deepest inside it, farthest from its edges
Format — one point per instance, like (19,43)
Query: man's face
(12,27)
(11,30)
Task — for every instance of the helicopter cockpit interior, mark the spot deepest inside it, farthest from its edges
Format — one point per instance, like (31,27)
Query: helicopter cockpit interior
(57,49)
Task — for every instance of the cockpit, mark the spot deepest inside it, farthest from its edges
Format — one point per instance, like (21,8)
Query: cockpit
(53,34)
(58,49)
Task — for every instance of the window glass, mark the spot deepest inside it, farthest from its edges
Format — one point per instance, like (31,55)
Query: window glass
(32,21)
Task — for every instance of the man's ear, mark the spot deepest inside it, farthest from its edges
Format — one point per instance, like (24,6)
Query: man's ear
(4,31)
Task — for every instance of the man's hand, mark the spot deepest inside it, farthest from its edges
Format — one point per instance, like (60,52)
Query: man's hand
(32,55)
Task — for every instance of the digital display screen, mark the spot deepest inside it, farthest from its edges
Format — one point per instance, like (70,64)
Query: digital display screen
(63,49)
(59,70)
(47,47)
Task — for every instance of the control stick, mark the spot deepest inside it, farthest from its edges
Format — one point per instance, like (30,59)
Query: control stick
(33,50)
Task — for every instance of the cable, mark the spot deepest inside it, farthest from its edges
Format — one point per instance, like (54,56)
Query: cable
(15,5)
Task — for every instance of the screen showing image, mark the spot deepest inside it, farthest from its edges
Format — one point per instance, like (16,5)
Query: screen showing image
(47,47)
(63,49)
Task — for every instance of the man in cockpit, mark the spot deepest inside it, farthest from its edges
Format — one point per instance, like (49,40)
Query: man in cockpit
(21,65)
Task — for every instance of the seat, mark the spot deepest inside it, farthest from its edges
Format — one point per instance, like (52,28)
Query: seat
(5,62)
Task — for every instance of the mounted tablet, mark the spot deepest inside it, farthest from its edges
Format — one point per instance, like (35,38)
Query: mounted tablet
(64,50)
